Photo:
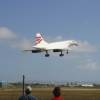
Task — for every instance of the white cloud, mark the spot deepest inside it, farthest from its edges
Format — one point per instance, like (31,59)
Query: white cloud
(85,46)
(23,44)
(10,38)
(5,33)
(89,65)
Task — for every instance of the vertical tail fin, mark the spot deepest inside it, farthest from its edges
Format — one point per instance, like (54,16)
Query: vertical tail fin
(39,39)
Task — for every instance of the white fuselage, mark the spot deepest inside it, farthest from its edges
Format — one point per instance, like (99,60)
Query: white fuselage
(58,45)
(54,45)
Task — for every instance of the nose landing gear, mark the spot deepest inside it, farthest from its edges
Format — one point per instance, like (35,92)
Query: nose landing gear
(67,52)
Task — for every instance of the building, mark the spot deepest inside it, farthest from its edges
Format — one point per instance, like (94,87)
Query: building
(3,84)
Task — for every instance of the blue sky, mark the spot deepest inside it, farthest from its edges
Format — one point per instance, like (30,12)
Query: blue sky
(58,20)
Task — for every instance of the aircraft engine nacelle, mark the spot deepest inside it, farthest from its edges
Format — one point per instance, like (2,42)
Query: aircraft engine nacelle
(36,51)
(56,50)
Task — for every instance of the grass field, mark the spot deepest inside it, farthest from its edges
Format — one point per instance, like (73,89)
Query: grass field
(46,94)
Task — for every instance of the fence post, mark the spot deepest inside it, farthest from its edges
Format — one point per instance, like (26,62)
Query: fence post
(23,89)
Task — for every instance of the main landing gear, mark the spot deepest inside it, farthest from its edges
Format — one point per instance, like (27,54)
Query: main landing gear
(47,55)
(61,54)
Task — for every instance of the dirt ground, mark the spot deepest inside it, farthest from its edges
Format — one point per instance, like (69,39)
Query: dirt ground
(46,94)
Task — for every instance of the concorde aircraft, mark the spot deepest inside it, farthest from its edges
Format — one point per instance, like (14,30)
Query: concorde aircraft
(42,46)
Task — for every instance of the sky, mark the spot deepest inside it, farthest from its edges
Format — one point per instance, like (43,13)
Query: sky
(57,20)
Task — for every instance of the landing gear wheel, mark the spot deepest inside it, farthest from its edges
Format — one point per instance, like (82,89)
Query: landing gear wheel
(67,52)
(61,55)
(47,55)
